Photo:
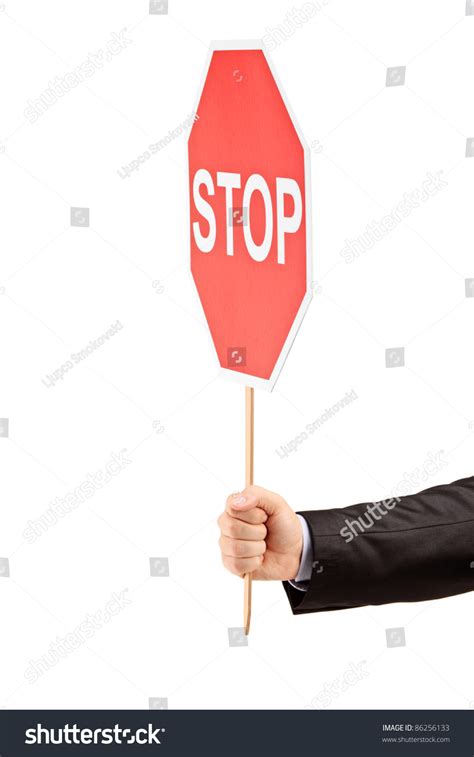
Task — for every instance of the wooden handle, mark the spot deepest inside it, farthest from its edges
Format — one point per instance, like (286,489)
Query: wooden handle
(249,436)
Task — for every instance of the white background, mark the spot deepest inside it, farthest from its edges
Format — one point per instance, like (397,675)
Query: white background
(63,286)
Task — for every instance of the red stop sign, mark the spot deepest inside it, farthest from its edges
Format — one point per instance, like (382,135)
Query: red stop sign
(250,230)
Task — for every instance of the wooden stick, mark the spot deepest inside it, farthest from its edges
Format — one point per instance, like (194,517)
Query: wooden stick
(249,446)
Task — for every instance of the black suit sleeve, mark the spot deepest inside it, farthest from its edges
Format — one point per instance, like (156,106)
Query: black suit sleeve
(404,549)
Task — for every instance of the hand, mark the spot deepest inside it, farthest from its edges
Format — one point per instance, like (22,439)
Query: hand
(261,535)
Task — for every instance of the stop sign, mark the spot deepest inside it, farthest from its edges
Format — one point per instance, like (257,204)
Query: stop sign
(249,188)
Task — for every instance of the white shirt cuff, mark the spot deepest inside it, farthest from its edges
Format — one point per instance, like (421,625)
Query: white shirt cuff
(303,576)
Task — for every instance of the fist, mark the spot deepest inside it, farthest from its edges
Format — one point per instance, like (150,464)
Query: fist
(261,535)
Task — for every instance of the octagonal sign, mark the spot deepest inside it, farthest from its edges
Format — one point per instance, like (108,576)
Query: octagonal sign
(249,188)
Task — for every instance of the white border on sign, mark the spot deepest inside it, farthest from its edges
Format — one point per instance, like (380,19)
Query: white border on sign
(245,378)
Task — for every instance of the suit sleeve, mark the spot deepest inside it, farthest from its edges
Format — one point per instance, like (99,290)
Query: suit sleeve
(403,549)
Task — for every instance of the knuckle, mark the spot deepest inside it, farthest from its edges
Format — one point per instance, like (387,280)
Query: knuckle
(234,528)
(229,563)
(235,565)
(240,548)
(252,516)
(224,523)
(258,516)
